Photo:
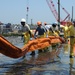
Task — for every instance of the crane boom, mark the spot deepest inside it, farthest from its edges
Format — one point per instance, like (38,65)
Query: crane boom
(55,13)
(53,9)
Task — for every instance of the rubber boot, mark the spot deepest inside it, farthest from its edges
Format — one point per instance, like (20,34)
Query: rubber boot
(71,47)
(32,53)
(40,50)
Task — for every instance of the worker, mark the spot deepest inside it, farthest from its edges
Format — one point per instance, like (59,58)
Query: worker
(55,30)
(25,30)
(45,29)
(49,32)
(52,29)
(40,29)
(47,26)
(45,23)
(41,33)
(66,33)
(71,35)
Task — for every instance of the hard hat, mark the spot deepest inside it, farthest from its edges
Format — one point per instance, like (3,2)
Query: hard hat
(56,22)
(45,23)
(54,25)
(39,23)
(23,20)
(69,22)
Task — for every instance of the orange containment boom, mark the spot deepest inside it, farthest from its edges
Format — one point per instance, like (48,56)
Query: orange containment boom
(12,51)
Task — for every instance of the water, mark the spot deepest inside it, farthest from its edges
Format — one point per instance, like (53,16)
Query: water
(40,64)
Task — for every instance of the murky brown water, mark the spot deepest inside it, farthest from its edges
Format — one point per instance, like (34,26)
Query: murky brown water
(40,64)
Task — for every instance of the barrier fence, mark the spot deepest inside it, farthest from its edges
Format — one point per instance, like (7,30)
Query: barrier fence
(13,28)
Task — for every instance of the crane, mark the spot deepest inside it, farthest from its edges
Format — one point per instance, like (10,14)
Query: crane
(55,13)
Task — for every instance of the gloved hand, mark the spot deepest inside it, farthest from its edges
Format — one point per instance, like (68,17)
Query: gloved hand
(22,35)
(35,36)
(30,38)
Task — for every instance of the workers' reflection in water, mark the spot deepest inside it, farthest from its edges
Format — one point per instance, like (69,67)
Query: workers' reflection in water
(71,66)
(66,49)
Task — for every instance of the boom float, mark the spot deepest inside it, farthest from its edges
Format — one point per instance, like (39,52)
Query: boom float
(12,51)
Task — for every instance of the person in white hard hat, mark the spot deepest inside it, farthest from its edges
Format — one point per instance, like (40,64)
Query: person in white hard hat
(25,30)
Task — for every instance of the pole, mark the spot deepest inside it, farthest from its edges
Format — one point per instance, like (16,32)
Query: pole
(59,14)
(27,18)
(31,22)
(72,13)
(27,11)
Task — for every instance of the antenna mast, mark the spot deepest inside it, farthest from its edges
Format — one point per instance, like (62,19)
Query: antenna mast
(27,11)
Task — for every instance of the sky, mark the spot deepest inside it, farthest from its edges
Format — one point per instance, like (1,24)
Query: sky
(12,11)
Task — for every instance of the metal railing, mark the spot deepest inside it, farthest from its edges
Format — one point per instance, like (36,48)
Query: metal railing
(4,29)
